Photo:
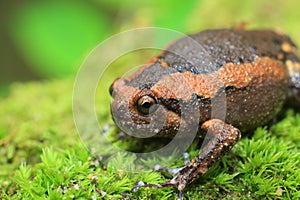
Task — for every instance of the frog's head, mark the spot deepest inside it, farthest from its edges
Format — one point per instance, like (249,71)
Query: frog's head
(145,104)
(141,112)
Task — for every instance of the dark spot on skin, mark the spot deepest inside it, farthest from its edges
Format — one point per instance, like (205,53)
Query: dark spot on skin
(194,70)
(219,65)
(171,104)
(276,41)
(160,58)
(179,67)
(204,99)
(294,59)
(229,88)
(183,67)
(145,86)
(241,60)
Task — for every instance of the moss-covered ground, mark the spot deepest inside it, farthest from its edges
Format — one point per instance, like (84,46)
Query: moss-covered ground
(42,156)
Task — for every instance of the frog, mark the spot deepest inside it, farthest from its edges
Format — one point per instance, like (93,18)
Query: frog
(253,72)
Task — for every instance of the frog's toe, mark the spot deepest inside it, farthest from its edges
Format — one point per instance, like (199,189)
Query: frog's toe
(173,171)
(149,185)
(171,183)
(176,181)
(186,157)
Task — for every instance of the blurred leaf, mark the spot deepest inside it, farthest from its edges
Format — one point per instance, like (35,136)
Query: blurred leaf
(165,14)
(54,36)
(173,14)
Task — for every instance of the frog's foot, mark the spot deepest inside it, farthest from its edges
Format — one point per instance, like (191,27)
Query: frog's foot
(158,185)
(173,171)
(223,137)
(171,183)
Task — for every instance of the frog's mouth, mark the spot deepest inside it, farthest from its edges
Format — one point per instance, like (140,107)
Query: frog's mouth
(160,123)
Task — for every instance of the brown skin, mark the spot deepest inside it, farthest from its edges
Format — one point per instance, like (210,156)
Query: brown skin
(253,72)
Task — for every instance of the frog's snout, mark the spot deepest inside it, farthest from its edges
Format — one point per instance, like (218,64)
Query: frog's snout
(113,86)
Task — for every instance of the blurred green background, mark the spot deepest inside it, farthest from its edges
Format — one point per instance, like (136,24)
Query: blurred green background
(50,38)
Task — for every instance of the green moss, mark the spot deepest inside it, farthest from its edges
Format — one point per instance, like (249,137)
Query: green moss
(34,116)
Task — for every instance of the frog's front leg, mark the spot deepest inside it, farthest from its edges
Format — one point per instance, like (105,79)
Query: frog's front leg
(223,137)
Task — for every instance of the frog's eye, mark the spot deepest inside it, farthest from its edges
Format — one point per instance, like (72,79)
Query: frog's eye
(145,103)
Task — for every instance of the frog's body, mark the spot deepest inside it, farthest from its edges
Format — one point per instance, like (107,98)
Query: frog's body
(247,74)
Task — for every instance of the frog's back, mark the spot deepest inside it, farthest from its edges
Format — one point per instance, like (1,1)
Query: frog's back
(210,50)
